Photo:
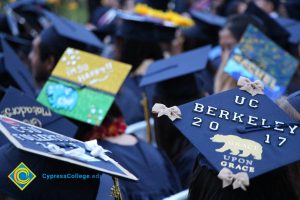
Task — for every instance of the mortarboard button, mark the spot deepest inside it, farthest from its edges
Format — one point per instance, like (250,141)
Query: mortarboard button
(239,131)
(176,66)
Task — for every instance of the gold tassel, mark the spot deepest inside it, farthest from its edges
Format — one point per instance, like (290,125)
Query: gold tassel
(115,190)
(147,117)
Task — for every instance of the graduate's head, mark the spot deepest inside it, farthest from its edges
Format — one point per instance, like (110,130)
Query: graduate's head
(234,28)
(139,39)
(268,5)
(45,52)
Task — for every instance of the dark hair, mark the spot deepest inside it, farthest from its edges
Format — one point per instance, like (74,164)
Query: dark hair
(134,52)
(276,4)
(237,24)
(53,44)
(274,185)
(174,92)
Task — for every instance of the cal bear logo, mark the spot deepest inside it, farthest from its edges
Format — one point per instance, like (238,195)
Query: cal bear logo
(236,145)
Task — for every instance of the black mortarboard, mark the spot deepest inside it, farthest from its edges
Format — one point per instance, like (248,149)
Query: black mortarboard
(160,5)
(24,17)
(293,27)
(19,74)
(143,28)
(246,133)
(73,31)
(176,66)
(206,28)
(208,18)
(273,29)
(293,7)
(105,20)
(294,100)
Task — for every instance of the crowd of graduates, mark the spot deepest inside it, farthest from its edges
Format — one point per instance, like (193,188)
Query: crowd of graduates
(168,162)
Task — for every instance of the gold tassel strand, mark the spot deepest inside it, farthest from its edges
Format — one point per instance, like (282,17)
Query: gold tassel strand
(147,117)
(115,190)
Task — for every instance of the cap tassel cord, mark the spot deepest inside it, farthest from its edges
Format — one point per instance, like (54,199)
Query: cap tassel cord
(253,88)
(172,113)
(147,118)
(239,180)
(115,190)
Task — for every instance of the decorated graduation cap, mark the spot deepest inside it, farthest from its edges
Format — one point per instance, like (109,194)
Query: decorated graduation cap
(148,24)
(73,31)
(241,132)
(49,144)
(176,66)
(17,105)
(258,57)
(19,74)
(83,86)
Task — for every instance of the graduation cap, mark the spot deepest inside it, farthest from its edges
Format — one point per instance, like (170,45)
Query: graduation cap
(208,18)
(258,57)
(143,28)
(25,15)
(160,5)
(17,105)
(239,131)
(206,28)
(293,27)
(176,66)
(83,86)
(18,72)
(273,29)
(45,143)
(294,100)
(293,7)
(73,31)
(20,3)
(105,19)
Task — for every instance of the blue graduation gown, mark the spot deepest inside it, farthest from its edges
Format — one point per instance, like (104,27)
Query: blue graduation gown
(157,176)
(184,165)
(129,99)
(42,189)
